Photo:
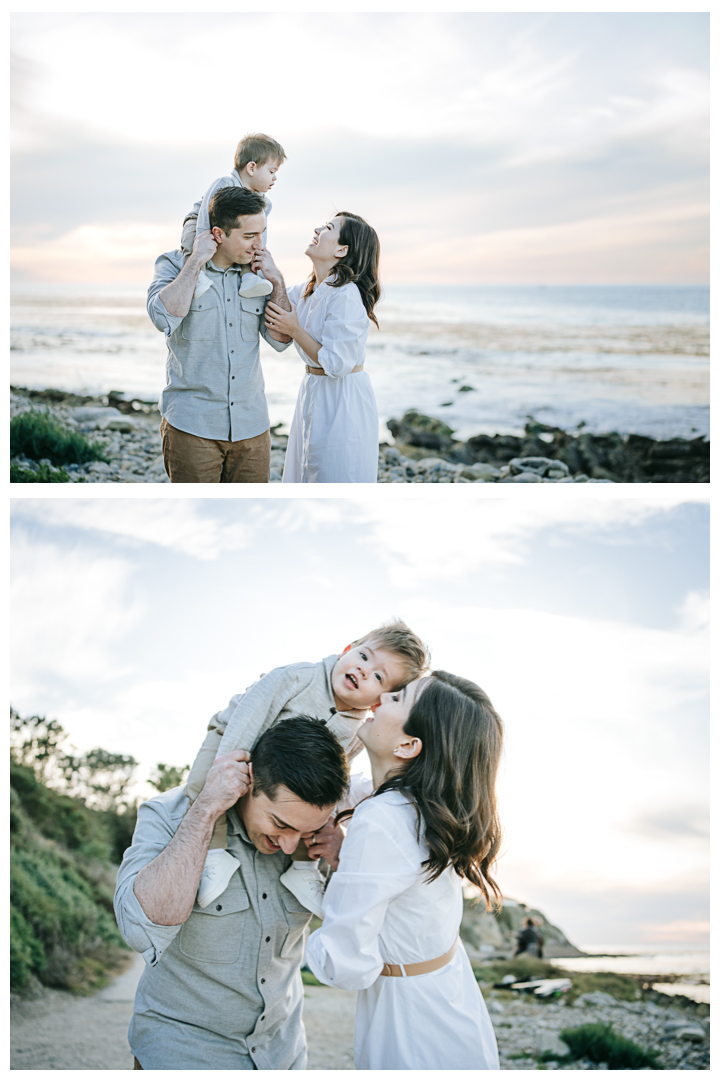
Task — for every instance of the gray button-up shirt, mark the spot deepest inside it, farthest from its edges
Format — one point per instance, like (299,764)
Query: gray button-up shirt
(222,990)
(215,387)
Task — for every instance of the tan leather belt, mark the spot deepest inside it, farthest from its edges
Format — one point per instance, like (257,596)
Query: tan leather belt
(321,371)
(422,968)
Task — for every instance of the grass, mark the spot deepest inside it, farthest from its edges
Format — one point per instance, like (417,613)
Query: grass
(37,435)
(525,968)
(601,1044)
(44,474)
(309,979)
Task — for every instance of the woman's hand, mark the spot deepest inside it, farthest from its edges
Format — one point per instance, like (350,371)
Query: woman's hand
(327,843)
(283,322)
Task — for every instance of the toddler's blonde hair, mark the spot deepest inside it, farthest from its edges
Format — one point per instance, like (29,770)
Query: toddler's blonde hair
(258,148)
(397,638)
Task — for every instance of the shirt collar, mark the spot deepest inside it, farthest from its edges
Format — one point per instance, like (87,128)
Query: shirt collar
(235,825)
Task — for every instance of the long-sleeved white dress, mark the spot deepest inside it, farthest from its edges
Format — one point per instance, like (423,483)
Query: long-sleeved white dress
(379,909)
(334,433)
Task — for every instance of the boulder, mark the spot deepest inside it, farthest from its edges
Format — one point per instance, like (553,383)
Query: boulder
(547,1042)
(596,997)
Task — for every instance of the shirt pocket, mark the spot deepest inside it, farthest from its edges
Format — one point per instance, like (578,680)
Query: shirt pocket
(200,323)
(252,308)
(297,918)
(213,934)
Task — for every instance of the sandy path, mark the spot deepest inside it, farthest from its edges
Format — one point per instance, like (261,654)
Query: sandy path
(58,1030)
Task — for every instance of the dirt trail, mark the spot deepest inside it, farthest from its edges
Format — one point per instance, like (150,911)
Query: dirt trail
(57,1030)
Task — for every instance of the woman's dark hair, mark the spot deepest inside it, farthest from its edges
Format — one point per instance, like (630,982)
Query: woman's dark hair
(451,783)
(360,265)
(230,203)
(302,754)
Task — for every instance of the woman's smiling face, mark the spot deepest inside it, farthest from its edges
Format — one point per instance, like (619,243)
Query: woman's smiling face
(383,732)
(325,245)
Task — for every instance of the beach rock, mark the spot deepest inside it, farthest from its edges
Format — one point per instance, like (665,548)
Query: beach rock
(596,997)
(690,1033)
(584,456)
(547,1042)
(479,471)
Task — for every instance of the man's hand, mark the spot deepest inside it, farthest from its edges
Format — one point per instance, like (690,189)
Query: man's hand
(204,247)
(227,781)
(326,843)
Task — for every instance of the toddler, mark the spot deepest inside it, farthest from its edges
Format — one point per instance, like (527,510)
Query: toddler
(257,160)
(340,690)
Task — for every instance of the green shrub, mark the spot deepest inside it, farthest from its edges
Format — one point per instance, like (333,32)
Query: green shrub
(524,968)
(37,435)
(600,1043)
(42,475)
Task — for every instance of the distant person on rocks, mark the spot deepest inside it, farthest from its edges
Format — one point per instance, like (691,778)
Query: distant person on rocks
(528,941)
(215,422)
(392,910)
(222,989)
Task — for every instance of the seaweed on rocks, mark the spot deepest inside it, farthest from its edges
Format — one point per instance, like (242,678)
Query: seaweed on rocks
(613,457)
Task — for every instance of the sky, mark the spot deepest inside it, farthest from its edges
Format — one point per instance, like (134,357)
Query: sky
(135,620)
(485,148)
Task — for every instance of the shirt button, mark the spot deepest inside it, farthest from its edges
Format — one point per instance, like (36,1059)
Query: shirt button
(232,403)
(230,324)
(232,376)
(228,299)
(232,350)
(218,907)
(267,938)
(262,1017)
(264,894)
(254,1049)
(262,980)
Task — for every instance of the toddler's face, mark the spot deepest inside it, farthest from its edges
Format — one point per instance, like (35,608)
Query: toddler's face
(264,176)
(363,673)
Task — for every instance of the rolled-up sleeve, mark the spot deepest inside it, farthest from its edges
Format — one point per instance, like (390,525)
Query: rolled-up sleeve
(153,832)
(373,870)
(343,335)
(167,268)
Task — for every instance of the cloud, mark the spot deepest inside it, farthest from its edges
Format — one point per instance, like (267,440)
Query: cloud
(502,530)
(68,614)
(670,822)
(181,525)
(695,611)
(551,147)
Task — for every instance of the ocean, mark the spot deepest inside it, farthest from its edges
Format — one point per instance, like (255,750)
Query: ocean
(483,358)
(690,963)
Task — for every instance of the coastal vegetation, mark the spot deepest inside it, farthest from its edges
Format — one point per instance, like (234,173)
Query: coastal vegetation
(39,437)
(526,968)
(70,821)
(601,1044)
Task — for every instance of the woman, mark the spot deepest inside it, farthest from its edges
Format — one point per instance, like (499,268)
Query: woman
(334,433)
(392,910)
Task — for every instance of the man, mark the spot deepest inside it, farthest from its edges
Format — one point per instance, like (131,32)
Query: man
(215,426)
(222,989)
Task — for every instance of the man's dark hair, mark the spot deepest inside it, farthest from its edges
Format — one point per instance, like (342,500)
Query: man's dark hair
(304,756)
(230,203)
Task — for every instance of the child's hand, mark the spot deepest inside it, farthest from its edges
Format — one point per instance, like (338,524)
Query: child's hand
(205,246)
(281,321)
(263,260)
(326,843)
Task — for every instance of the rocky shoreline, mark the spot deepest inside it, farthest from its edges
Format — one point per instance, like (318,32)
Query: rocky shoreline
(425,451)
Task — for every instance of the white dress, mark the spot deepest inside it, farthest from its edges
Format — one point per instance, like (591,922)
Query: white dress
(334,434)
(378,909)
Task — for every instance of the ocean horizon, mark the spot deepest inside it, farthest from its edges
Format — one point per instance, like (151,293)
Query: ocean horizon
(627,358)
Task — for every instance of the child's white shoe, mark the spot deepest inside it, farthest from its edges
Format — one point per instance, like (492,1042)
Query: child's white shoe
(307,884)
(218,869)
(203,284)
(252,286)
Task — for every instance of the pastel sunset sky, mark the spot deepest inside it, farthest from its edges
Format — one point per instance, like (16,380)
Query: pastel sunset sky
(484,148)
